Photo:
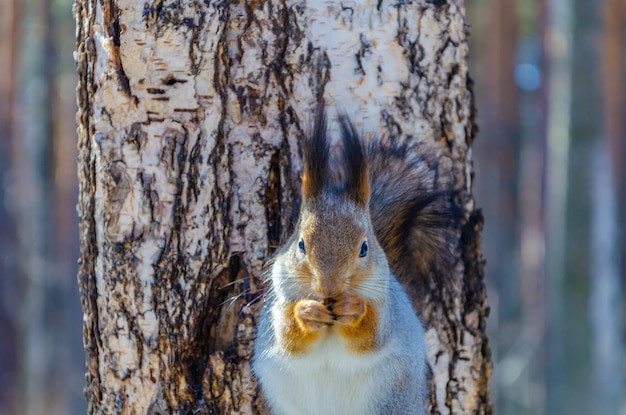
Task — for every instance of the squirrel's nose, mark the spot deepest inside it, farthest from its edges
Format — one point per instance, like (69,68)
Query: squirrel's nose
(329,286)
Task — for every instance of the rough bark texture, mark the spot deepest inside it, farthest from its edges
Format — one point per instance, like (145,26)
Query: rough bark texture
(190,118)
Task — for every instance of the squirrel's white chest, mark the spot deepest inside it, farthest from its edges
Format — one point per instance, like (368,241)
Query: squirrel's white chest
(328,380)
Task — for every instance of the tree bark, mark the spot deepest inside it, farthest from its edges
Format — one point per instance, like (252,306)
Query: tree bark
(190,117)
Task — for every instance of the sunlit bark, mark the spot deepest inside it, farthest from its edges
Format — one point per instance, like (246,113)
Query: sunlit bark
(190,118)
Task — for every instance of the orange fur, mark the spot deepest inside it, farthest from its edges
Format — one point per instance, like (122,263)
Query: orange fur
(307,320)
(362,333)
(308,186)
(364,187)
(302,329)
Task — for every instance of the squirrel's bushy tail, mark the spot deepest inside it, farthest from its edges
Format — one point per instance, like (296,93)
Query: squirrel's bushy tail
(414,221)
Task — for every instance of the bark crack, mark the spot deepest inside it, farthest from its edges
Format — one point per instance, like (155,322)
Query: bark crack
(111,17)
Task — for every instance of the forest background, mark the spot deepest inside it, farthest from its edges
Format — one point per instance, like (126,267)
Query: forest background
(549,174)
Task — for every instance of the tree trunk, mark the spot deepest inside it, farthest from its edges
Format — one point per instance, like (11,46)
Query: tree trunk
(190,117)
(41,337)
(9,11)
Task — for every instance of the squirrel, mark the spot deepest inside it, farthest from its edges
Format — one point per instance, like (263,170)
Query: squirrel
(338,334)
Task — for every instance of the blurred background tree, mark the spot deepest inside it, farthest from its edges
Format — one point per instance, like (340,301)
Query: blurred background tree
(550,175)
(549,84)
(41,357)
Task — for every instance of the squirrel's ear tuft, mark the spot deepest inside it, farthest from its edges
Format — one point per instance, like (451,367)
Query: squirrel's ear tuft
(357,172)
(315,157)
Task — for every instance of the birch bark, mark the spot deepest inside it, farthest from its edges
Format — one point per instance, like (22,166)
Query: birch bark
(190,117)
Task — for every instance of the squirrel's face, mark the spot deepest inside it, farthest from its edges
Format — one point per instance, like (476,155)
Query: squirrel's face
(334,250)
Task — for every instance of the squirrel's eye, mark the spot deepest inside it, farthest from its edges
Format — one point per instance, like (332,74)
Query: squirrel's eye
(301,246)
(363,249)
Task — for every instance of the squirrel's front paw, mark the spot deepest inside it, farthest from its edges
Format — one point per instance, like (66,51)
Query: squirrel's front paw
(313,315)
(349,309)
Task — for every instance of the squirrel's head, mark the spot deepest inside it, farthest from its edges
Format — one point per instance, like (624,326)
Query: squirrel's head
(334,249)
